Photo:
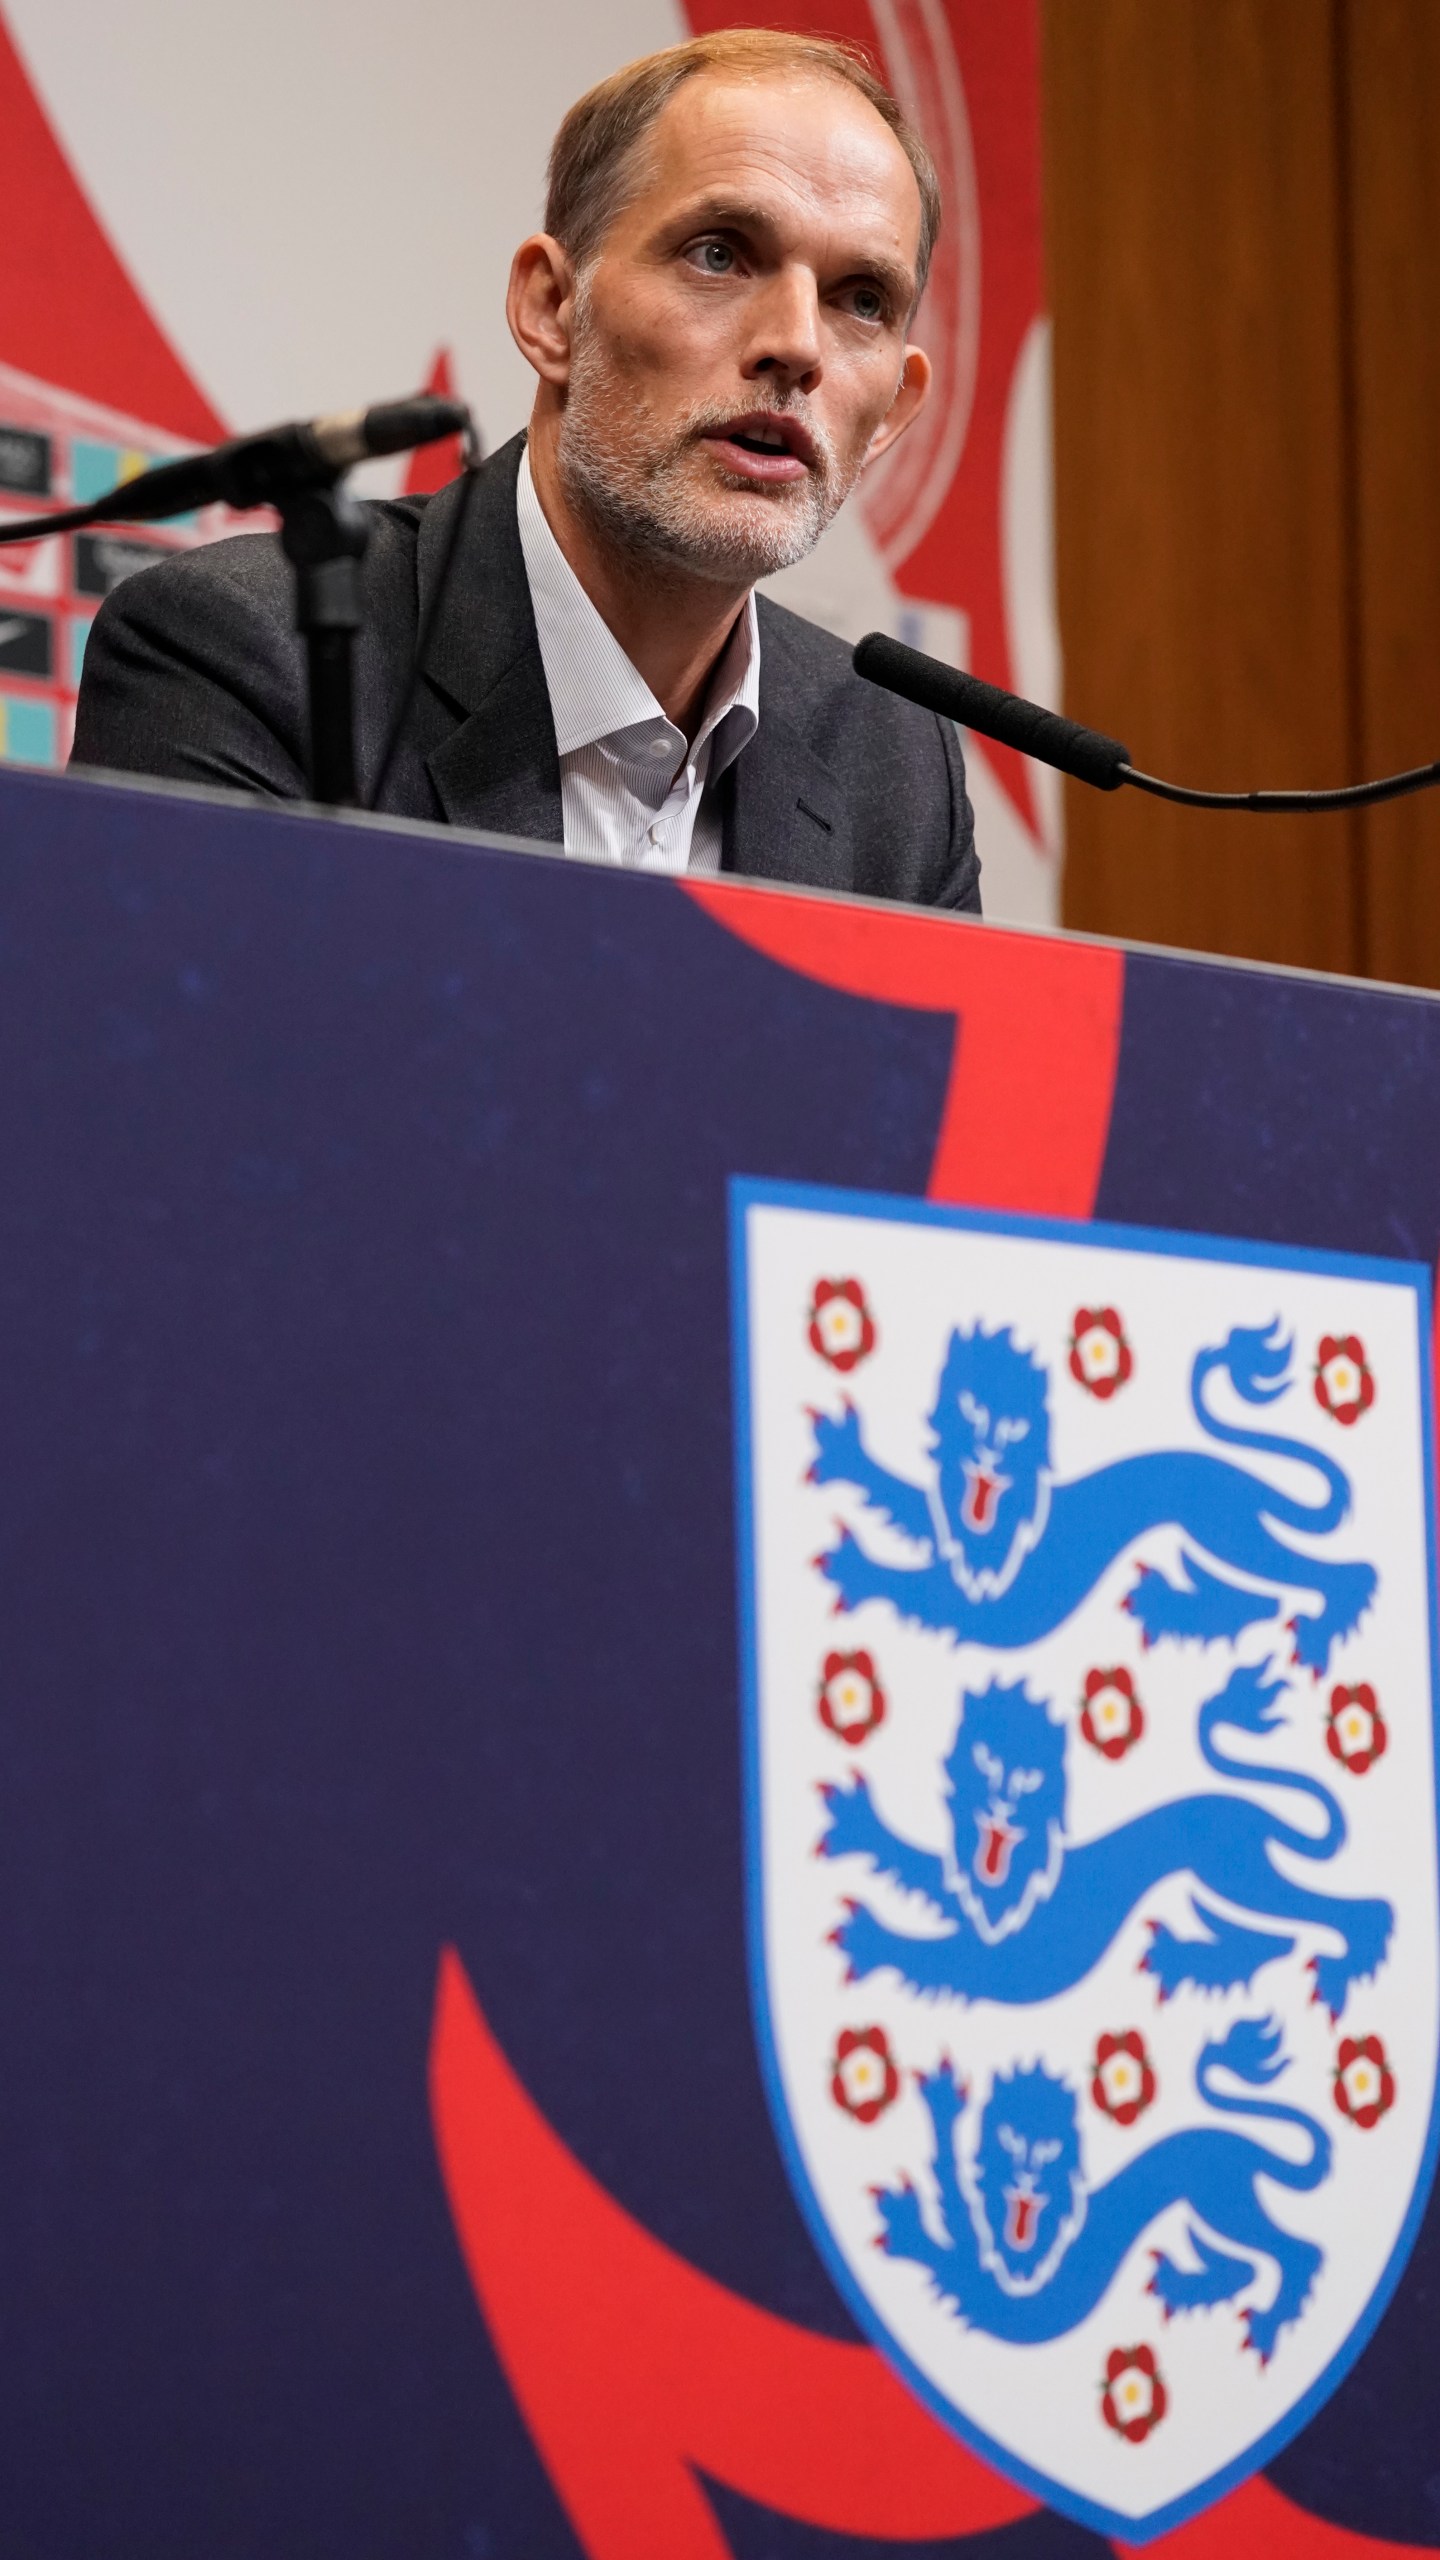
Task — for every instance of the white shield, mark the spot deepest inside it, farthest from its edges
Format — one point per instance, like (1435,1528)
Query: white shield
(1089,1603)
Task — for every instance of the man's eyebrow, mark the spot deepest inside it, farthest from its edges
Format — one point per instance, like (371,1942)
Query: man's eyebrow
(726,213)
(730,213)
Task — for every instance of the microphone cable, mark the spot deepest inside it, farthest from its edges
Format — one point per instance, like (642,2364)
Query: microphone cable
(1351,795)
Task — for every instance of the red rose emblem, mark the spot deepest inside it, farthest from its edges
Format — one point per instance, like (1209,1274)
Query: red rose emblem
(852,1701)
(1122,2082)
(1111,1716)
(842,1329)
(1364,2081)
(1355,1728)
(1134,2397)
(1343,1383)
(1100,1357)
(863,2077)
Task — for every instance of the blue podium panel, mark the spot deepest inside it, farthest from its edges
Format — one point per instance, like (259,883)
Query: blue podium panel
(397,2152)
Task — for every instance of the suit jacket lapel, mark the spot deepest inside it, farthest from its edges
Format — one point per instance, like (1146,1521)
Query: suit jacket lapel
(499,768)
(786,818)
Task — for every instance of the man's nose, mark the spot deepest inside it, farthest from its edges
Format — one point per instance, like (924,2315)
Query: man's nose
(785,329)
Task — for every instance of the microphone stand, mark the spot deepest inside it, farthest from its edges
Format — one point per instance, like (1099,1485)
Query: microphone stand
(324,533)
(298,470)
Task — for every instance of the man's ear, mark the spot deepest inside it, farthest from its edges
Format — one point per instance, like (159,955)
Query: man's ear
(916,375)
(540,304)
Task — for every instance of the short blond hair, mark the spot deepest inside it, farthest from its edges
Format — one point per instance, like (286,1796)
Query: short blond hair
(592,159)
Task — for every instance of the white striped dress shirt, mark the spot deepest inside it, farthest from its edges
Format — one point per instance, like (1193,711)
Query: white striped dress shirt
(631,791)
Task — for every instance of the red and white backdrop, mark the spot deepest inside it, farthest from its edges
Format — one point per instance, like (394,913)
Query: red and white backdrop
(215,220)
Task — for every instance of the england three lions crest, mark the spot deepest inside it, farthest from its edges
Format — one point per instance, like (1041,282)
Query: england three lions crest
(1089,1607)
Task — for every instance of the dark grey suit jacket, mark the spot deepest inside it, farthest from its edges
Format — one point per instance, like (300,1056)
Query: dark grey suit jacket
(194,673)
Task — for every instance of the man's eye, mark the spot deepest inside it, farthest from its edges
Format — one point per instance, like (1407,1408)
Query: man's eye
(867,302)
(715,256)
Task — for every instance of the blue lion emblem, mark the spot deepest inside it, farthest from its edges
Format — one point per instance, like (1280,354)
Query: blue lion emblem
(1028,1914)
(1010,1553)
(1027,2250)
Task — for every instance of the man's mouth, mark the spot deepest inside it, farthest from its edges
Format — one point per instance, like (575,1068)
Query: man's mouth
(763,446)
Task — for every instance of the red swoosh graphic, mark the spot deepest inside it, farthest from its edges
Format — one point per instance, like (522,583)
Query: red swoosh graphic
(634,2372)
(69,312)
(1037,1032)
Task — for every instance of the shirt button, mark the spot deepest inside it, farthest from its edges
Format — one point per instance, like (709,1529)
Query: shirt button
(660,747)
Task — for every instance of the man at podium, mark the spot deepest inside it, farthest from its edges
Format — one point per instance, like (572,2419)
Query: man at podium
(737,235)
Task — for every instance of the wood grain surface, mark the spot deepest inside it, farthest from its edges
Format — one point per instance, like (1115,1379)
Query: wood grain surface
(1243,232)
(1392,68)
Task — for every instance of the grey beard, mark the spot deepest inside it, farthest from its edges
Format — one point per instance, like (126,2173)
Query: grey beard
(632,493)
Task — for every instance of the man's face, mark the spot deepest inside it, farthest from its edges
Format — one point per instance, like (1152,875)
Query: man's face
(737,341)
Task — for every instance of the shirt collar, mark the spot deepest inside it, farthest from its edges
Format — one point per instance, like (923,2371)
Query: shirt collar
(596,694)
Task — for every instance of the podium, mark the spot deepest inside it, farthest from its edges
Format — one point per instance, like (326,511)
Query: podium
(385,2150)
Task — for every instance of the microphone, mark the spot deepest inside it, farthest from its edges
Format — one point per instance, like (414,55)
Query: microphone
(262,470)
(1087,753)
